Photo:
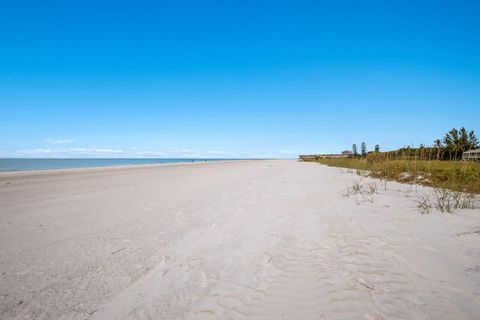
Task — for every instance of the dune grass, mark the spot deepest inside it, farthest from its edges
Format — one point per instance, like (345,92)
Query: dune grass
(454,175)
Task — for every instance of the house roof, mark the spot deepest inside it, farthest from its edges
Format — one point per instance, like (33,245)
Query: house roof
(472,151)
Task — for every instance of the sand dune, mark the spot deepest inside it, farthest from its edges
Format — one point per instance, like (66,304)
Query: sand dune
(229,240)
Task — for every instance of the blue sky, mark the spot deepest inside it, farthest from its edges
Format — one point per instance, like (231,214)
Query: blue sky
(233,78)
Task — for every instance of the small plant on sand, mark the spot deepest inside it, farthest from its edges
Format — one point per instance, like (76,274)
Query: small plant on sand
(445,200)
(372,188)
(357,188)
(366,192)
(423,203)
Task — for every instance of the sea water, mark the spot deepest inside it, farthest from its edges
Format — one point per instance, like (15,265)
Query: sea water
(16,164)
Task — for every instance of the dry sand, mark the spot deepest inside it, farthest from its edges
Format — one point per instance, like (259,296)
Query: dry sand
(230,240)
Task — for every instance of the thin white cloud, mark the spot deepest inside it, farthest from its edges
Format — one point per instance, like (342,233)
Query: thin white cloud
(58,141)
(33,152)
(288,152)
(261,154)
(116,152)
(97,151)
(173,152)
(67,152)
(219,153)
(147,154)
(83,152)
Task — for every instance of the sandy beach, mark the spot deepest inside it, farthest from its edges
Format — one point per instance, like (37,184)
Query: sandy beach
(229,240)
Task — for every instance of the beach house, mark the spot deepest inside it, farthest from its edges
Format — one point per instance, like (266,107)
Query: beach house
(471,155)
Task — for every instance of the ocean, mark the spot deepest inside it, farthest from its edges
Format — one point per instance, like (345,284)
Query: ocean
(16,164)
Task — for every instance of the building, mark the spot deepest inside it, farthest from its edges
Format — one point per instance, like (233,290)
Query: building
(312,157)
(307,157)
(471,155)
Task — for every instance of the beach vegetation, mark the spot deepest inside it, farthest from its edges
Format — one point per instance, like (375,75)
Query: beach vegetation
(445,200)
(437,166)
(461,176)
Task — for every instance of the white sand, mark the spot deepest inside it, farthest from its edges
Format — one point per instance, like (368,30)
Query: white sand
(232,240)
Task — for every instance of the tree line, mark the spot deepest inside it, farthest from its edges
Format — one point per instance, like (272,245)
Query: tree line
(451,147)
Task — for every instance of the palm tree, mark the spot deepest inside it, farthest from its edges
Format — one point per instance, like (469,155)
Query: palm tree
(452,142)
(472,141)
(459,141)
(438,145)
(463,140)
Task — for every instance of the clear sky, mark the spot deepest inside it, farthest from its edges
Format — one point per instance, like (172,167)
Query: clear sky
(234,78)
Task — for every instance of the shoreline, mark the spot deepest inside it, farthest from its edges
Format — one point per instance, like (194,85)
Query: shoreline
(120,167)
